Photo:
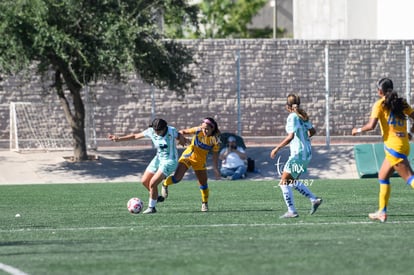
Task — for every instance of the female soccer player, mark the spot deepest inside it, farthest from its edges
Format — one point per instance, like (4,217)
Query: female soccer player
(391,111)
(165,161)
(205,139)
(299,130)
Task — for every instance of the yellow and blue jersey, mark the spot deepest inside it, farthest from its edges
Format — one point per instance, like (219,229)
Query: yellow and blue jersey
(196,153)
(393,130)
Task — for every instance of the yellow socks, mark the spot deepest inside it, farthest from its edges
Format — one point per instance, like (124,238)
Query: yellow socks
(410,181)
(384,194)
(204,193)
(168,181)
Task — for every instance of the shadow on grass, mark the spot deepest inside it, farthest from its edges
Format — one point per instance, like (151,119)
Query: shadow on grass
(108,166)
(113,164)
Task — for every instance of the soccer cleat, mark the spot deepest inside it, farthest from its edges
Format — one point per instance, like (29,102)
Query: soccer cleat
(204,207)
(150,210)
(160,199)
(315,205)
(288,215)
(378,216)
(164,191)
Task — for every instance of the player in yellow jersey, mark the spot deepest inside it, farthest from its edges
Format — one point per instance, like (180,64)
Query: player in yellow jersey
(391,112)
(205,139)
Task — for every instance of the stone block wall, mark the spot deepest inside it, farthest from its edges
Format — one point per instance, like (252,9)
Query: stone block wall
(264,72)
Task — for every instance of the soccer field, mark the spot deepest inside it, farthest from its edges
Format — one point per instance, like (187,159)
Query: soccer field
(86,229)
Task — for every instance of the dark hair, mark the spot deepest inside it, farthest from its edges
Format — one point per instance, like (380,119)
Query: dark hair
(293,101)
(392,102)
(212,122)
(385,84)
(158,124)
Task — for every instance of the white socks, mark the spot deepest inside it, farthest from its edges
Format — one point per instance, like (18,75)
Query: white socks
(304,190)
(152,203)
(288,197)
(288,194)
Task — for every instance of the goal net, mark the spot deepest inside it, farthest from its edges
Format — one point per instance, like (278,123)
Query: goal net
(38,126)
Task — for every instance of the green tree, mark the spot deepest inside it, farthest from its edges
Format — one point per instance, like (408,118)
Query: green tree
(81,41)
(179,22)
(218,19)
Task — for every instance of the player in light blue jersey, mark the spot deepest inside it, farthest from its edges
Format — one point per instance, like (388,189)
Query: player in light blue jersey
(299,130)
(165,161)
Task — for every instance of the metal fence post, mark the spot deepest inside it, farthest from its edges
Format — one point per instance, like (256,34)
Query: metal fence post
(239,130)
(407,81)
(327,96)
(152,102)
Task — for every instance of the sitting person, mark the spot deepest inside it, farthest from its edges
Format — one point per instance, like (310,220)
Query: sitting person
(233,157)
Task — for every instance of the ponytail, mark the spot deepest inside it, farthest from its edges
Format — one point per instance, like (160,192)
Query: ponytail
(392,102)
(293,101)
(395,104)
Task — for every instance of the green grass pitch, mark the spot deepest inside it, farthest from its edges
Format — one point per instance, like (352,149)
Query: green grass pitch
(86,229)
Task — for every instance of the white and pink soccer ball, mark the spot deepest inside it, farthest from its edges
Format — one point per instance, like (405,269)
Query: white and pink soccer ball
(135,205)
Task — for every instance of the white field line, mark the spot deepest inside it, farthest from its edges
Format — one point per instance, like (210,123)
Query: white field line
(11,270)
(132,227)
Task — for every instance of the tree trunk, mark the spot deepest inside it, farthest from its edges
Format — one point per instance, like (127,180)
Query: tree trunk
(76,119)
(78,128)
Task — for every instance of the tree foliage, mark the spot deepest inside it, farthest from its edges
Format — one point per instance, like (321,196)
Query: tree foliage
(81,41)
(93,38)
(219,19)
(180,23)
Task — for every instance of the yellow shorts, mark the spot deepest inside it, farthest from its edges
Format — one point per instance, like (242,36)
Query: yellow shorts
(394,157)
(191,160)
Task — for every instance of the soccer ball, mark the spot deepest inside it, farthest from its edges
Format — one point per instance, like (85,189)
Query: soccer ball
(135,205)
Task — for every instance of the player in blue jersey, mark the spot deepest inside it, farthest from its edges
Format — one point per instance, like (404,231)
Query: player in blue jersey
(165,161)
(299,130)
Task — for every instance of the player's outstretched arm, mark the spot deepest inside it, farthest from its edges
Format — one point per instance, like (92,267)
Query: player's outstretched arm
(116,138)
(182,140)
(372,123)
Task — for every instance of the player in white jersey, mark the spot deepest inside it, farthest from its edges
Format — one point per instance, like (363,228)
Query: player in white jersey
(165,161)
(299,130)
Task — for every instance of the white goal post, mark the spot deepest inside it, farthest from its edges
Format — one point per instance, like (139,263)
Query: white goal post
(39,126)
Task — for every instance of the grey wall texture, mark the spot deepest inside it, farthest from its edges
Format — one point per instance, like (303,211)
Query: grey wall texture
(258,74)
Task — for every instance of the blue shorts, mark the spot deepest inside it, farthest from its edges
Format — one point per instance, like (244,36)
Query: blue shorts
(296,167)
(167,167)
